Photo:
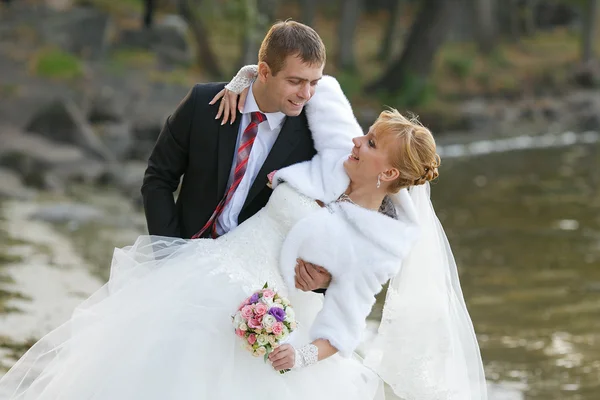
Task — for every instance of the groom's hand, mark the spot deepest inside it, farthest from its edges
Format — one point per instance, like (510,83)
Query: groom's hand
(311,277)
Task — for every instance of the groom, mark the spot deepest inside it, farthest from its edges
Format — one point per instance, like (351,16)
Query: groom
(225,167)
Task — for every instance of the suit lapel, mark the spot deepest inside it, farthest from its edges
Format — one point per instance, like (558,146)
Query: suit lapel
(286,142)
(227,139)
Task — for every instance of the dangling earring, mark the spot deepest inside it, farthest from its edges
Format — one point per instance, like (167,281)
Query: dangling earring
(378,181)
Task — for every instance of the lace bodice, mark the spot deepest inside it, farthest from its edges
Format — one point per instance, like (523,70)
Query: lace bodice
(260,238)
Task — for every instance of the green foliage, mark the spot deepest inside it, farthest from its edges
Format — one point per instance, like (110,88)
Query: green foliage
(350,82)
(416,91)
(121,7)
(55,63)
(459,65)
(498,58)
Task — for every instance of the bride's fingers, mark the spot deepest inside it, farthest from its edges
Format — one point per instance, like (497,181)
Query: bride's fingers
(242,100)
(232,104)
(221,108)
(217,97)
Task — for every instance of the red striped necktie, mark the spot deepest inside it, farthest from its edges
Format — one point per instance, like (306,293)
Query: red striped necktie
(243,154)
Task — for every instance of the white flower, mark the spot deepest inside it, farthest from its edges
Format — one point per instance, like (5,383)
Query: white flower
(285,302)
(237,320)
(290,314)
(278,301)
(261,351)
(243,327)
(266,300)
(293,325)
(284,334)
(268,321)
(262,340)
(277,305)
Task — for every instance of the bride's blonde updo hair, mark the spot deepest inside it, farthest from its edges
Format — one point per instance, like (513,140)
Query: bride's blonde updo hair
(412,148)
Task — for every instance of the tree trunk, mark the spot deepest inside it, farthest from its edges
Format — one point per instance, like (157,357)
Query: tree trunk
(485,17)
(385,50)
(427,34)
(259,13)
(529,17)
(205,54)
(588,31)
(309,11)
(347,26)
(512,19)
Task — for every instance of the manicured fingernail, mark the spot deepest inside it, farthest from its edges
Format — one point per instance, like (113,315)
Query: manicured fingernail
(223,123)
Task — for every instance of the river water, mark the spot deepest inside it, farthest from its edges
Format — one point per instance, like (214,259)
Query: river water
(523,218)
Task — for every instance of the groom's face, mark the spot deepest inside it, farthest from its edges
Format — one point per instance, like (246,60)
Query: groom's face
(293,86)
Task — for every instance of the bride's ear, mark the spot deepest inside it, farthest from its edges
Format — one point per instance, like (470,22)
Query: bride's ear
(263,71)
(390,175)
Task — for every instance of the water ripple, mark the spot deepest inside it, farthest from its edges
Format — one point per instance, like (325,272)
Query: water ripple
(525,142)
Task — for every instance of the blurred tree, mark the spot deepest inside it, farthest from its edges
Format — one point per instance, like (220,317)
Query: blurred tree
(351,10)
(485,19)
(255,17)
(207,59)
(385,50)
(588,31)
(427,33)
(528,15)
(309,10)
(148,13)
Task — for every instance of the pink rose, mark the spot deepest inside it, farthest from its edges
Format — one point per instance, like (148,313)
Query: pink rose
(268,293)
(239,332)
(260,309)
(247,312)
(252,338)
(277,328)
(254,323)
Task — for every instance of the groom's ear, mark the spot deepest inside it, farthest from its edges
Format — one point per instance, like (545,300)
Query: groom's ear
(263,71)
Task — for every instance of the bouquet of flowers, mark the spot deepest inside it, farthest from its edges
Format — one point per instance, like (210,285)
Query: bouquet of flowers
(264,321)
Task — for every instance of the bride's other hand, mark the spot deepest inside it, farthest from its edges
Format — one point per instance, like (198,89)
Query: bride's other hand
(227,106)
(283,357)
(311,277)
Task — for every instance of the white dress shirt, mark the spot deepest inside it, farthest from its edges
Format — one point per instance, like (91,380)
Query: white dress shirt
(268,131)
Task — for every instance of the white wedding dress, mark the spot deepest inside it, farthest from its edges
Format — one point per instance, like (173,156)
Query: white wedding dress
(161,327)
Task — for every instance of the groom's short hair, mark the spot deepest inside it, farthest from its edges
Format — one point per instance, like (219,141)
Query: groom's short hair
(291,38)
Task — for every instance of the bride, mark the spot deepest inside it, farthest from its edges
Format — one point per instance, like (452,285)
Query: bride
(161,326)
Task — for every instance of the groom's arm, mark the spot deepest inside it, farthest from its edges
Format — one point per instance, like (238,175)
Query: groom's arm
(166,165)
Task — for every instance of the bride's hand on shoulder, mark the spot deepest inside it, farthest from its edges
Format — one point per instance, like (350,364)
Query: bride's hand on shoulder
(283,357)
(227,106)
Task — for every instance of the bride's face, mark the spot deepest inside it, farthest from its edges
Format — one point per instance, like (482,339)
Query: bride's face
(369,158)
(290,89)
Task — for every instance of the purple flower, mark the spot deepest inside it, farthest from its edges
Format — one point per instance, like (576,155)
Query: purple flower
(254,298)
(278,313)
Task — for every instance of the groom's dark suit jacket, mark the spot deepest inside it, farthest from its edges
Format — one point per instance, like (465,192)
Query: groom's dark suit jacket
(193,143)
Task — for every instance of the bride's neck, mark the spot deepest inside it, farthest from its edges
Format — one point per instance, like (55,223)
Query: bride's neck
(366,197)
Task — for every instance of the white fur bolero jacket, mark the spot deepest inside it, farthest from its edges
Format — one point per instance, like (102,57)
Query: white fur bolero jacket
(362,249)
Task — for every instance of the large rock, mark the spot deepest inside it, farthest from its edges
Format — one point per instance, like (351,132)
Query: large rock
(167,41)
(108,105)
(117,137)
(83,31)
(11,186)
(45,164)
(62,121)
